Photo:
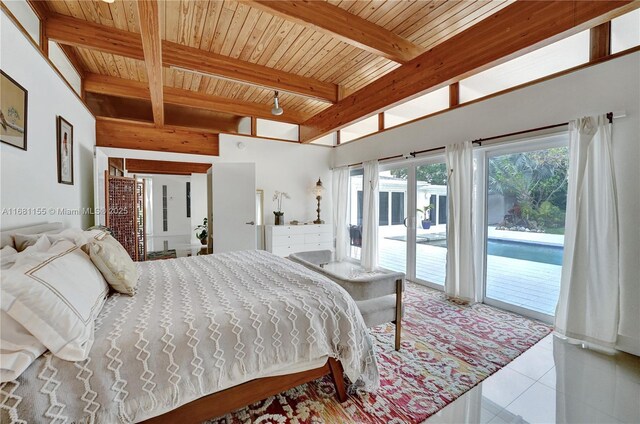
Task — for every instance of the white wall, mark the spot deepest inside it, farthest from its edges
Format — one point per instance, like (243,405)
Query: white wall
(177,222)
(610,86)
(29,178)
(290,167)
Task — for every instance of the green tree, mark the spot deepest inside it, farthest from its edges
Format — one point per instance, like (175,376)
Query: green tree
(435,174)
(538,182)
(531,177)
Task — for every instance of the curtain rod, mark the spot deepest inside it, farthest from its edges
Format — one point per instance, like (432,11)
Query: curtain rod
(479,141)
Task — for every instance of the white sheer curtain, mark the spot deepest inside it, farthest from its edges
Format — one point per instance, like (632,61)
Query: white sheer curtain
(370,200)
(460,280)
(340,192)
(588,309)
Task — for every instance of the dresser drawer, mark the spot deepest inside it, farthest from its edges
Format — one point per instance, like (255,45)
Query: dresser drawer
(288,240)
(309,247)
(318,238)
(279,230)
(319,228)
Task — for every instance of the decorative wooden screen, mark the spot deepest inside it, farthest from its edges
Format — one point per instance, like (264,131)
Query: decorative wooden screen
(121,215)
(141,216)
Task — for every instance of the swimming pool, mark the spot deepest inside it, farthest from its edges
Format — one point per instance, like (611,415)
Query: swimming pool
(526,251)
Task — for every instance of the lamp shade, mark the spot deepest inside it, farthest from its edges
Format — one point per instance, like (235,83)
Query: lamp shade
(318,189)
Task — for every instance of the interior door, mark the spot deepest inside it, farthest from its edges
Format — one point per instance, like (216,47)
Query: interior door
(234,207)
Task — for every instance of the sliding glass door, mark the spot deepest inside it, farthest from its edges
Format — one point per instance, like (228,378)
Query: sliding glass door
(525,212)
(393,215)
(431,223)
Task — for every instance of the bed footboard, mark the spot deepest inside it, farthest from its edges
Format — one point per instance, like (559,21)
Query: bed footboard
(220,403)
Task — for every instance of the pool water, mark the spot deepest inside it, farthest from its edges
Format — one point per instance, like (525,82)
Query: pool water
(526,251)
(517,250)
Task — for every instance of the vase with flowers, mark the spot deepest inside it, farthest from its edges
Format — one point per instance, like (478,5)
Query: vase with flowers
(279,196)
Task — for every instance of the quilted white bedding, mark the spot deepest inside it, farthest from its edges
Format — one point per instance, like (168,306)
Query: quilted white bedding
(195,326)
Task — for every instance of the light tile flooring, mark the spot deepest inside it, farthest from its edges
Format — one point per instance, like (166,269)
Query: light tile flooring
(553,382)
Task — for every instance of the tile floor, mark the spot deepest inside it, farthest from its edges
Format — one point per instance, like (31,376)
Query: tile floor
(553,382)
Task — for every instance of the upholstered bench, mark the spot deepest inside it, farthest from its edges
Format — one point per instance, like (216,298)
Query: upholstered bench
(378,294)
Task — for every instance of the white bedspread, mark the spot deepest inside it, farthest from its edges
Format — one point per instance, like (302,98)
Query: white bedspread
(195,326)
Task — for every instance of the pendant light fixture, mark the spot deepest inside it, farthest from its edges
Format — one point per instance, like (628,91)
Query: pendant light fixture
(276,110)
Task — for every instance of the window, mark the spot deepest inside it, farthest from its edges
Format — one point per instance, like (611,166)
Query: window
(26,16)
(526,196)
(442,209)
(165,218)
(355,211)
(383,214)
(625,31)
(416,108)
(327,140)
(274,129)
(359,129)
(397,208)
(556,57)
(62,63)
(188,199)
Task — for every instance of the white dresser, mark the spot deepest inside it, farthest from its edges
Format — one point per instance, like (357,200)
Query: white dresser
(282,240)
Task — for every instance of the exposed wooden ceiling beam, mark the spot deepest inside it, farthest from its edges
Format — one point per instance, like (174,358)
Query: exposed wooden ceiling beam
(144,166)
(517,29)
(81,33)
(339,23)
(149,15)
(112,86)
(124,134)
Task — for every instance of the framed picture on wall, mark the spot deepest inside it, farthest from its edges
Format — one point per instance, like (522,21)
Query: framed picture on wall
(65,150)
(13,112)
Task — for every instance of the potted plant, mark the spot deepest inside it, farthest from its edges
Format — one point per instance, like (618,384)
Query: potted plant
(201,232)
(426,222)
(279,215)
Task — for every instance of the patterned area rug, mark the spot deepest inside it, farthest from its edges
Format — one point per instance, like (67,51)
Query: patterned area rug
(447,348)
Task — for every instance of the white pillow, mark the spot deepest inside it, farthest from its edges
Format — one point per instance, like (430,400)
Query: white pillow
(56,295)
(76,236)
(115,264)
(18,348)
(24,241)
(7,257)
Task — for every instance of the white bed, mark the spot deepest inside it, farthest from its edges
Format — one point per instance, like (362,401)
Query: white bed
(197,326)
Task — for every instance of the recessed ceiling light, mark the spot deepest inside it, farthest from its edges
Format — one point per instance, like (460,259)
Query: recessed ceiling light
(108,1)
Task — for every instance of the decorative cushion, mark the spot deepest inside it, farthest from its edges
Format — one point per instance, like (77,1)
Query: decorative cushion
(114,263)
(18,348)
(56,296)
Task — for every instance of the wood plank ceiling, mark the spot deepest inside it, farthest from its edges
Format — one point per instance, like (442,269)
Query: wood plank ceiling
(315,52)
(248,32)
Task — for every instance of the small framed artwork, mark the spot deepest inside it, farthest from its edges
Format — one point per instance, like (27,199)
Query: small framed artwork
(65,151)
(13,112)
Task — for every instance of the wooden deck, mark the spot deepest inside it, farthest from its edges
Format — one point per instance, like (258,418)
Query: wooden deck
(531,285)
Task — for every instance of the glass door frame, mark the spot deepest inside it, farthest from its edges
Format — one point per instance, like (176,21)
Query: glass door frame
(412,258)
(412,189)
(482,156)
(410,213)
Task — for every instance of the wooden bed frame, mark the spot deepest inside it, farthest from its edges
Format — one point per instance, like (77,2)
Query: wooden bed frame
(220,403)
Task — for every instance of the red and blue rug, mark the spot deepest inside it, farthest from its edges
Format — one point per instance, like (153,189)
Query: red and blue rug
(447,348)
